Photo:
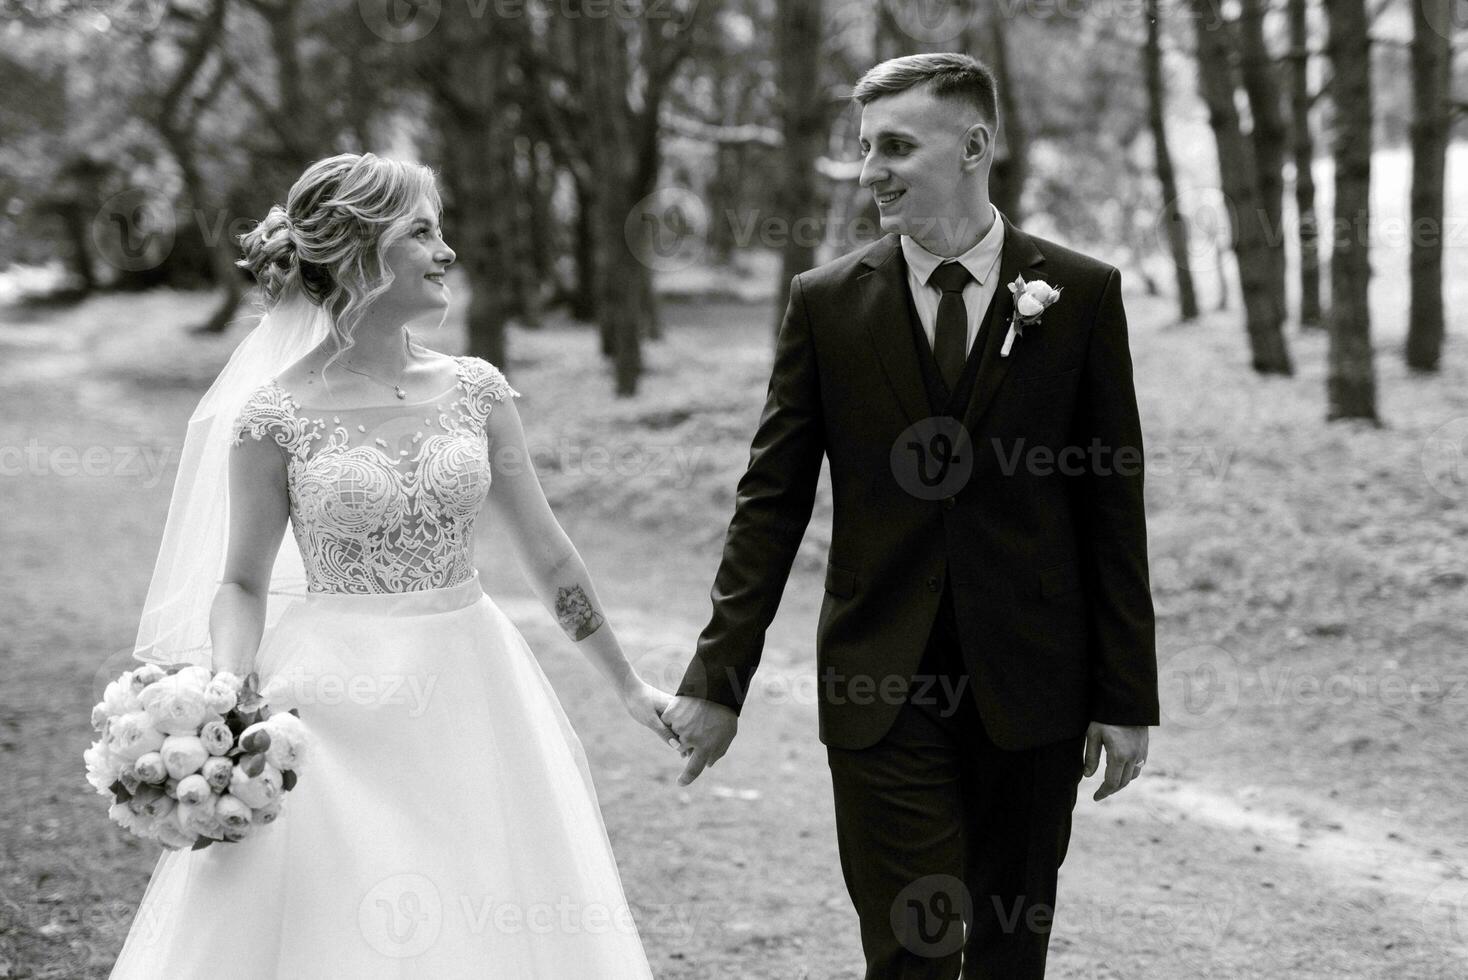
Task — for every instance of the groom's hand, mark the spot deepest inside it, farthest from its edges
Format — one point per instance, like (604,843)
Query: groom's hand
(705,729)
(1126,751)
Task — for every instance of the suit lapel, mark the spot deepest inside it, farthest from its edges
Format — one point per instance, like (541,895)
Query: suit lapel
(1018,257)
(882,283)
(883,301)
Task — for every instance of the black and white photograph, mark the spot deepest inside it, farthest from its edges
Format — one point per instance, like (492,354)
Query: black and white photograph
(733,489)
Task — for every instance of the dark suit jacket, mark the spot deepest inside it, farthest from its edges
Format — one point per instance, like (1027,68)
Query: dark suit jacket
(1046,557)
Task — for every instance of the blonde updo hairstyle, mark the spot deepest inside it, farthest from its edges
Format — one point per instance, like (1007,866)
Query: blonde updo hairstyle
(329,239)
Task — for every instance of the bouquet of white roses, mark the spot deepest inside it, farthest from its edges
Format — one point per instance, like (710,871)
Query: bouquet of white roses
(190,757)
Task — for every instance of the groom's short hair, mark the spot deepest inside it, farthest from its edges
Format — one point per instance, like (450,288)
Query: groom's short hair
(948,74)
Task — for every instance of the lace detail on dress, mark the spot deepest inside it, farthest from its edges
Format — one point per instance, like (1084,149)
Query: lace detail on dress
(378,501)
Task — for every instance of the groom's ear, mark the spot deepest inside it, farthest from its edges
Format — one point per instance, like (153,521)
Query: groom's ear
(978,146)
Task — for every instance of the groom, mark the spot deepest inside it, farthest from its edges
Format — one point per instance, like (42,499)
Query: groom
(987,627)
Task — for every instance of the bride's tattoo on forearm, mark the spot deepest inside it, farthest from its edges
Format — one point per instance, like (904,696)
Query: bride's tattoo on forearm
(575,613)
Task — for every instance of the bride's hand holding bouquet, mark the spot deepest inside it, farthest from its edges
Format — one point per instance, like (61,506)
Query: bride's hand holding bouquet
(190,757)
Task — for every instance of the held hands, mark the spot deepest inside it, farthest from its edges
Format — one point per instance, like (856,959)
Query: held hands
(646,704)
(703,730)
(1126,752)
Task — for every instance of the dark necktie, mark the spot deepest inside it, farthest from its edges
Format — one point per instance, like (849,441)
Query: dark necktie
(950,343)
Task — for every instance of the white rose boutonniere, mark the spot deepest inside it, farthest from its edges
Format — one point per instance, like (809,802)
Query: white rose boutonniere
(1031,300)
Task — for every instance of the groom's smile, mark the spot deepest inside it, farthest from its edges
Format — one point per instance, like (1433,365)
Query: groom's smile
(926,159)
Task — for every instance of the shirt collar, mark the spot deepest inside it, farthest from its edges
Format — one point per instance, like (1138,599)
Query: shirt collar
(979,260)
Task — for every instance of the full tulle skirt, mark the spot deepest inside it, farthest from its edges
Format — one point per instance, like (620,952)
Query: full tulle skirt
(444,825)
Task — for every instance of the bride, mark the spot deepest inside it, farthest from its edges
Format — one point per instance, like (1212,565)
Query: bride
(445,823)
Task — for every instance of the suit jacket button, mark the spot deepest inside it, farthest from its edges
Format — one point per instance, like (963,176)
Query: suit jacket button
(949,503)
(933,584)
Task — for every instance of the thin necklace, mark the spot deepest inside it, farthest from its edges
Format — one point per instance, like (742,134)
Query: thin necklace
(397,389)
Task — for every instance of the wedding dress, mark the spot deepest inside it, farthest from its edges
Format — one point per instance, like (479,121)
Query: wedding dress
(445,824)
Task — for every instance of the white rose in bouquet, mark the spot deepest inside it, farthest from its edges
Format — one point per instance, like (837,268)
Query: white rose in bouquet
(150,768)
(122,815)
(233,812)
(176,703)
(132,735)
(201,819)
(101,768)
(145,675)
(171,835)
(256,791)
(153,804)
(193,789)
(183,755)
(121,697)
(128,776)
(236,834)
(216,771)
(289,740)
(267,814)
(220,696)
(217,737)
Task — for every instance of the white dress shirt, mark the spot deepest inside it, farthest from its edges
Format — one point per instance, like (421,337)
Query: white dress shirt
(982,262)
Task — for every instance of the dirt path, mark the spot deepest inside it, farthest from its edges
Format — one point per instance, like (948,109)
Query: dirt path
(1219,863)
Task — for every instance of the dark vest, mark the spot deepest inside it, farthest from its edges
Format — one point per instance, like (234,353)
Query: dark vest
(940,399)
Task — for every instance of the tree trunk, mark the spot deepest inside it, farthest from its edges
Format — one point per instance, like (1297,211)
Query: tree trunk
(469,81)
(1262,315)
(1007,176)
(1303,146)
(1268,137)
(1431,108)
(583,298)
(1350,382)
(602,58)
(1177,229)
(803,125)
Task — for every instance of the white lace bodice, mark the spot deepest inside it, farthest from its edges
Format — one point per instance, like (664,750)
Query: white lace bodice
(383,499)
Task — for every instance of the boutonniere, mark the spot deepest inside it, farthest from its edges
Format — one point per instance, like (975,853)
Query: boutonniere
(1031,299)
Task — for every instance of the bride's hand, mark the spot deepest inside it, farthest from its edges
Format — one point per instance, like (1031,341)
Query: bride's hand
(645,704)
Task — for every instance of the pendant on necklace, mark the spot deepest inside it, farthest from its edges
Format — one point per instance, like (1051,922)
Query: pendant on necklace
(400,392)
